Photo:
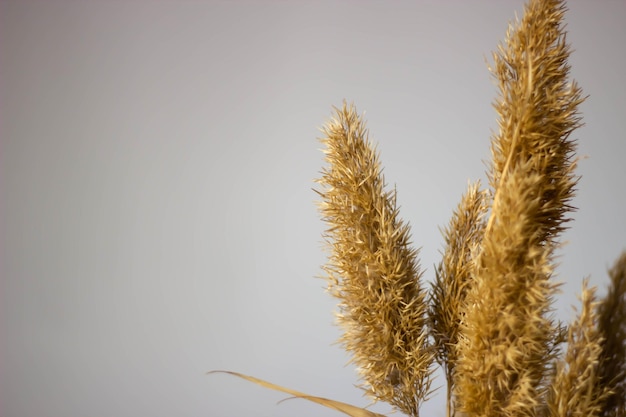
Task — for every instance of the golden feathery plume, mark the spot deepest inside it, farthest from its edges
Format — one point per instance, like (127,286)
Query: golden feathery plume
(453,276)
(612,324)
(575,390)
(372,269)
(508,337)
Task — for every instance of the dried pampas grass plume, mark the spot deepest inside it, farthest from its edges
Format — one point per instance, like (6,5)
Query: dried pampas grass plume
(372,269)
(508,334)
(453,278)
(612,325)
(576,389)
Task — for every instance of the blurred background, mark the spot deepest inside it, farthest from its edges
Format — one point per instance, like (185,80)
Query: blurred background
(157,159)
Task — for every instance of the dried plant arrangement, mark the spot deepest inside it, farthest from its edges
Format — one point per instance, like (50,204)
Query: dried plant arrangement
(487,318)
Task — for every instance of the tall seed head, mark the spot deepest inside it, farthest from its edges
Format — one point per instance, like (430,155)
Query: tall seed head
(508,336)
(372,269)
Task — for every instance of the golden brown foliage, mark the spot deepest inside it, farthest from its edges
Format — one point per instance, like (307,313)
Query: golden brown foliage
(488,317)
(372,269)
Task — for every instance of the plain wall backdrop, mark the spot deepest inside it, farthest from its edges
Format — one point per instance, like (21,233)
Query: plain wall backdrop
(157,165)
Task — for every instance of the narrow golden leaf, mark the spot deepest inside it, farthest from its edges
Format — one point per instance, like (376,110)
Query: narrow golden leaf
(345,408)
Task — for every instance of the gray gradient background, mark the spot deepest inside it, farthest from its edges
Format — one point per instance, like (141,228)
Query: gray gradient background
(157,158)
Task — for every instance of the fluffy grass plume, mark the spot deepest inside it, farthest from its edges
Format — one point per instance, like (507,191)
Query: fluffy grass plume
(372,269)
(612,324)
(508,333)
(576,389)
(453,277)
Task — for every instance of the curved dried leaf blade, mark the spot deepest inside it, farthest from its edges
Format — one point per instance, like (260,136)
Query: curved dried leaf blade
(348,409)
